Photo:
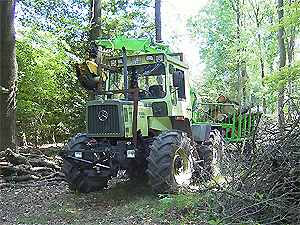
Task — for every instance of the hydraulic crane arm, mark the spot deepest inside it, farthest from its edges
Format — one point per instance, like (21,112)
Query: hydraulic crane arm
(144,45)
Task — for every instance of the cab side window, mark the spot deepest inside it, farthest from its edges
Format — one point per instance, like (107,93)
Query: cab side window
(181,89)
(173,90)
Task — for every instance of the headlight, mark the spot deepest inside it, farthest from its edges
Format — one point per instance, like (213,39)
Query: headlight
(113,62)
(120,61)
(159,58)
(149,57)
(78,154)
(136,60)
(131,154)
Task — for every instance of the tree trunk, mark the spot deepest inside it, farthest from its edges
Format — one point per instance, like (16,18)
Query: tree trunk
(95,18)
(262,64)
(290,54)
(245,78)
(239,64)
(158,21)
(282,48)
(8,76)
(96,31)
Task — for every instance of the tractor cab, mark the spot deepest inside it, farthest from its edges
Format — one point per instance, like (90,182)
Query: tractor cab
(159,80)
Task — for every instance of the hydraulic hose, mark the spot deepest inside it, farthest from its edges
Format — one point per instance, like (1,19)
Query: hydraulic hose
(112,48)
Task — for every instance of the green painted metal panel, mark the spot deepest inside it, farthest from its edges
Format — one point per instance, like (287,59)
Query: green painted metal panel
(145,45)
(112,123)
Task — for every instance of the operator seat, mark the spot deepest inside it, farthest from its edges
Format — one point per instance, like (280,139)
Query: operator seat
(157,91)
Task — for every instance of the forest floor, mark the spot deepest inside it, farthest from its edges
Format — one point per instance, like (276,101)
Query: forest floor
(43,202)
(52,202)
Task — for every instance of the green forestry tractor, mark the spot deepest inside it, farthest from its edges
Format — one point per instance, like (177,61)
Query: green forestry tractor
(142,118)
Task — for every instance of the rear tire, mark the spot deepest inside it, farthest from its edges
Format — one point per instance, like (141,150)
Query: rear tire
(209,157)
(170,162)
(203,170)
(136,169)
(73,176)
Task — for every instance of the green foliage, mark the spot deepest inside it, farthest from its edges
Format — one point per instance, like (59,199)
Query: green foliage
(282,77)
(129,18)
(215,26)
(50,100)
(224,43)
(194,207)
(67,20)
(291,21)
(260,196)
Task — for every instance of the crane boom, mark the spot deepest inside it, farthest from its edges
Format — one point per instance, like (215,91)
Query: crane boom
(144,45)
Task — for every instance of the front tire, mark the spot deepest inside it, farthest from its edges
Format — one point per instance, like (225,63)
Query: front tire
(170,162)
(76,179)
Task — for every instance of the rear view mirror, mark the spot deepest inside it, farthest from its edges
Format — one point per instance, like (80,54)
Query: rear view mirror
(177,78)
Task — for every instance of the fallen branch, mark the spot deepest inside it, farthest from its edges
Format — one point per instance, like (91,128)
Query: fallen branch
(21,178)
(56,174)
(16,158)
(20,170)
(6,185)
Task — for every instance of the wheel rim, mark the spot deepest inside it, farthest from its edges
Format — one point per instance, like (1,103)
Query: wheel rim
(180,167)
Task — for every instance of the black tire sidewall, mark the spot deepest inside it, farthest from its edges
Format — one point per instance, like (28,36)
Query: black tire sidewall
(77,180)
(161,161)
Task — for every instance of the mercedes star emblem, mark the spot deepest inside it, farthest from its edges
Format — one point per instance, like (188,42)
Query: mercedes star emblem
(103,115)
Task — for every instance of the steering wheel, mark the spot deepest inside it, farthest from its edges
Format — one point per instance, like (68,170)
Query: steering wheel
(145,93)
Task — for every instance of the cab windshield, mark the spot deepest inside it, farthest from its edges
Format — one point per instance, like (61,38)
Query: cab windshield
(149,78)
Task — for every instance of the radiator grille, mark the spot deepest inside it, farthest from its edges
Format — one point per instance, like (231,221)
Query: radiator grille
(111,126)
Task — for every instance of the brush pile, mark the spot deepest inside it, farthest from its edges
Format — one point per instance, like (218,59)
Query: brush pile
(29,164)
(258,180)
